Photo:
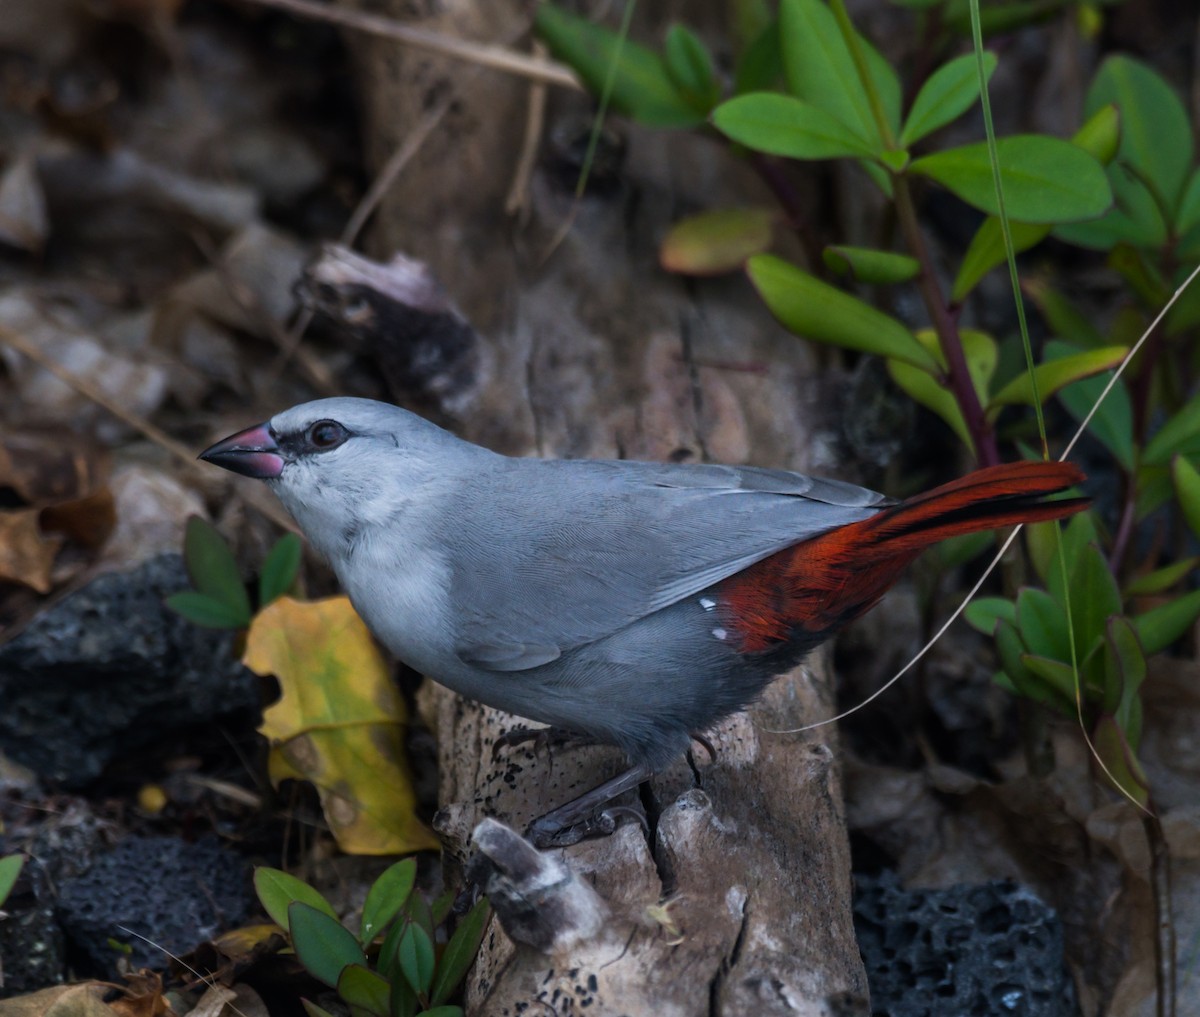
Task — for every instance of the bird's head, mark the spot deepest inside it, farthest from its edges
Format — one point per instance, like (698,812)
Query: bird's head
(340,464)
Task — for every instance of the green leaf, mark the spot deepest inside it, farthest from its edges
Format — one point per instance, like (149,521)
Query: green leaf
(1078,537)
(716,241)
(1046,180)
(1160,579)
(1124,671)
(1112,424)
(1188,216)
(1100,135)
(1011,651)
(641,86)
(313,1010)
(1174,435)
(1043,624)
(1119,760)
(983,614)
(761,66)
(1066,320)
(279,569)
(442,1011)
(416,957)
(205,611)
(365,990)
(1094,599)
(10,869)
(690,68)
(871,266)
(213,569)
(814,309)
(782,125)
(1187,491)
(821,71)
(950,91)
(1134,219)
(1156,136)
(1053,375)
(1056,674)
(277,890)
(404,1000)
(386,897)
(460,952)
(986,251)
(322,945)
(1159,627)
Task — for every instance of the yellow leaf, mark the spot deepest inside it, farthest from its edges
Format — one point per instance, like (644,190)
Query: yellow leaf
(339,722)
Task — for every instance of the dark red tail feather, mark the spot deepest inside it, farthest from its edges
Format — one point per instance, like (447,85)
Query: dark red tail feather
(819,585)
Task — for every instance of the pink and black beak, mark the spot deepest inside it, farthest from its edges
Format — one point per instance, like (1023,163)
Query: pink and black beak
(252,453)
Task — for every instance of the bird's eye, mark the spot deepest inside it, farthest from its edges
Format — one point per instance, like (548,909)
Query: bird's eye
(326,434)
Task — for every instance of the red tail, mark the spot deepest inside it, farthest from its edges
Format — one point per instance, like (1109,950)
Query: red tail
(821,584)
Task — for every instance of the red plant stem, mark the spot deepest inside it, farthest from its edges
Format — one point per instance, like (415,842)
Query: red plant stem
(772,172)
(958,377)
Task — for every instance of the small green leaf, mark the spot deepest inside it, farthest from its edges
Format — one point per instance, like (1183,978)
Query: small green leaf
(10,869)
(1046,180)
(986,251)
(277,890)
(761,66)
(416,957)
(1021,680)
(1159,627)
(1119,760)
(1187,491)
(926,390)
(322,945)
(213,569)
(404,1001)
(1173,436)
(950,91)
(388,894)
(818,311)
(1112,424)
(821,70)
(1100,135)
(279,569)
(313,1010)
(1057,675)
(871,266)
(717,241)
(365,990)
(641,86)
(205,611)
(460,952)
(1094,598)
(1124,671)
(1053,375)
(983,614)
(782,125)
(1188,216)
(690,67)
(1160,579)
(1156,137)
(1043,624)
(1067,322)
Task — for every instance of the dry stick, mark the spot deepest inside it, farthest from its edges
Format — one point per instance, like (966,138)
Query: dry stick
(497,58)
(518,194)
(14,340)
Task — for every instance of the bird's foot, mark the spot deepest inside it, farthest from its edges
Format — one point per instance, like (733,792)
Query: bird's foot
(587,816)
(545,739)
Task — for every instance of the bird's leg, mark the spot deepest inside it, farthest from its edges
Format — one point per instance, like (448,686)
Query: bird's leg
(545,739)
(583,816)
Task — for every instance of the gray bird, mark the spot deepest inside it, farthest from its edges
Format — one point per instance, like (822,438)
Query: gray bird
(633,603)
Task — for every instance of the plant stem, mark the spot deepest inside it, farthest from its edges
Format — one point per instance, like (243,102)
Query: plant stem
(773,175)
(1164,940)
(958,377)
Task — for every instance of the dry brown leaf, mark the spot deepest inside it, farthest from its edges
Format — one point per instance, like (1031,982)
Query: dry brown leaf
(84,1000)
(143,996)
(26,556)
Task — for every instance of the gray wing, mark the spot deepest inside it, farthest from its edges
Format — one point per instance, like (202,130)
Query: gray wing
(549,555)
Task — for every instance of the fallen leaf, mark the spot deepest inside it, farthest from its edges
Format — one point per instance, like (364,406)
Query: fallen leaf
(84,1000)
(143,996)
(26,556)
(339,722)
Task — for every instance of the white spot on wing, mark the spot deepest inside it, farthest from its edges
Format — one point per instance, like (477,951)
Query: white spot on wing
(720,633)
(707,603)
